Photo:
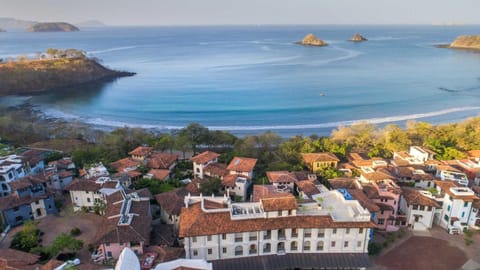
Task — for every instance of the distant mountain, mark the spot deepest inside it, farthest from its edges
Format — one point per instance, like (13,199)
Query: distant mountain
(11,23)
(53,27)
(91,23)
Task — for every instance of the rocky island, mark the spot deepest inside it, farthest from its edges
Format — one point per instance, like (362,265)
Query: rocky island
(52,27)
(466,42)
(312,40)
(55,69)
(358,38)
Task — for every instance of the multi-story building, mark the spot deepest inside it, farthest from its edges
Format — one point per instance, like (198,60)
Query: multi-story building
(90,193)
(420,207)
(203,160)
(29,200)
(216,229)
(317,161)
(11,168)
(457,206)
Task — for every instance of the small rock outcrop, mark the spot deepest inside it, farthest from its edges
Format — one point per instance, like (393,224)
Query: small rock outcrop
(358,38)
(466,42)
(312,40)
(52,27)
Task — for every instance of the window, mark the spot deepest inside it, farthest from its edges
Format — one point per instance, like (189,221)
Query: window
(429,208)
(267,248)
(194,239)
(87,192)
(224,236)
(252,236)
(252,249)
(306,245)
(109,254)
(198,170)
(37,202)
(333,243)
(195,252)
(345,244)
(267,234)
(359,244)
(347,230)
(281,234)
(209,251)
(279,213)
(360,231)
(107,244)
(88,200)
(334,231)
(224,250)
(448,208)
(450,198)
(238,251)
(321,233)
(293,246)
(16,209)
(465,204)
(445,217)
(307,233)
(422,208)
(415,207)
(463,214)
(289,212)
(294,232)
(381,221)
(320,245)
(209,238)
(238,237)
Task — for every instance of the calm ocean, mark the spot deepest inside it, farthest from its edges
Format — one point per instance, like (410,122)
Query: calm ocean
(249,79)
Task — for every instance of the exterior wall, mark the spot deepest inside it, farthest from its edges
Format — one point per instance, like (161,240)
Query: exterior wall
(114,249)
(16,216)
(280,241)
(419,154)
(382,220)
(420,223)
(170,219)
(198,170)
(454,208)
(317,165)
(84,198)
(474,220)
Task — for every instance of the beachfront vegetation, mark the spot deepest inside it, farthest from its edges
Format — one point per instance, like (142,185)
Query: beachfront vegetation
(87,145)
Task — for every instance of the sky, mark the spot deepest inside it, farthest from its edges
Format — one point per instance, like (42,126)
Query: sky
(212,12)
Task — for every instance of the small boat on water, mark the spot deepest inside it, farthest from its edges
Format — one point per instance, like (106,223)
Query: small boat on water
(148,260)
(322,94)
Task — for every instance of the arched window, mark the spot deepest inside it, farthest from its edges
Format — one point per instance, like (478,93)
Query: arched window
(238,251)
(320,245)
(267,248)
(293,245)
(306,245)
(281,247)
(253,249)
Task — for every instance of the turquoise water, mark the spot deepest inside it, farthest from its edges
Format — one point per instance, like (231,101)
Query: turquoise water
(249,79)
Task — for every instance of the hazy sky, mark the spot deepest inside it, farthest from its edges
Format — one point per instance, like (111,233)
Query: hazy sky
(192,12)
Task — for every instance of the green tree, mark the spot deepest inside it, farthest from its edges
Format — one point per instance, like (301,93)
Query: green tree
(62,242)
(195,134)
(27,238)
(211,186)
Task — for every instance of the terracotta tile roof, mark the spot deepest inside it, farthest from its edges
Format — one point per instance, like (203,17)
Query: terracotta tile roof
(447,185)
(65,174)
(216,169)
(51,265)
(343,182)
(309,158)
(22,183)
(11,259)
(141,151)
(33,156)
(161,160)
(474,153)
(122,164)
(370,191)
(209,204)
(281,177)
(134,174)
(266,191)
(241,164)
(413,196)
(159,174)
(385,207)
(83,185)
(286,202)
(205,157)
(12,200)
(308,187)
(172,201)
(447,168)
(357,156)
(476,203)
(194,187)
(400,162)
(364,201)
(63,163)
(230,179)
(378,175)
(195,222)
(138,230)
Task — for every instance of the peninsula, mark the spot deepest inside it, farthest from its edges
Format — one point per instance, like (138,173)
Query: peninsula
(52,27)
(55,69)
(466,42)
(312,40)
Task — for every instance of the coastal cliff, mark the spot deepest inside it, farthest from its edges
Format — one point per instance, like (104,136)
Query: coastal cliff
(312,40)
(466,42)
(358,38)
(27,76)
(52,27)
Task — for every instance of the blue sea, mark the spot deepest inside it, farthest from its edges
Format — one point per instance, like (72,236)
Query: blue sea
(250,79)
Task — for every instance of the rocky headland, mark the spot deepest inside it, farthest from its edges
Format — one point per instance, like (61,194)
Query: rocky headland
(466,42)
(312,40)
(358,38)
(52,27)
(57,70)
